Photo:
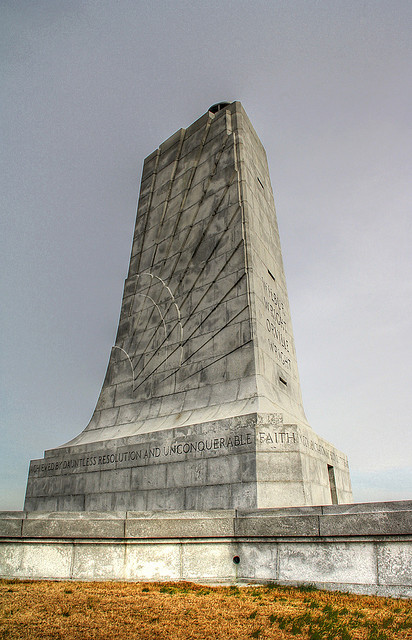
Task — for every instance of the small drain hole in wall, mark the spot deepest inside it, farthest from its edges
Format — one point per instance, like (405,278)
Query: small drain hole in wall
(236,559)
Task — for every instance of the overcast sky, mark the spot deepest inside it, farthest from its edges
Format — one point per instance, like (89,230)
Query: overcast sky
(92,87)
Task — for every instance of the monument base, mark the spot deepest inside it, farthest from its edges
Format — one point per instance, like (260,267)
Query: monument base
(247,462)
(362,548)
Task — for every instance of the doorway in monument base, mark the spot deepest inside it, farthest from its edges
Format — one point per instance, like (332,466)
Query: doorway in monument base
(332,484)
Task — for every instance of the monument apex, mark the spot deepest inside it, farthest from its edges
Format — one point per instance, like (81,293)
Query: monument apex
(201,405)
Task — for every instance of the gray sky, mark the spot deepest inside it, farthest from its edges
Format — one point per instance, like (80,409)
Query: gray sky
(92,87)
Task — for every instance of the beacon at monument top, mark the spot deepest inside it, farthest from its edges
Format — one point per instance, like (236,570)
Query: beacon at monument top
(201,405)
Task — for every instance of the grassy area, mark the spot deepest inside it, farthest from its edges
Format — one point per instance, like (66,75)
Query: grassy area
(47,610)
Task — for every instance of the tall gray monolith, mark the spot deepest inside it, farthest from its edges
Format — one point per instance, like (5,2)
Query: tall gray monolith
(201,405)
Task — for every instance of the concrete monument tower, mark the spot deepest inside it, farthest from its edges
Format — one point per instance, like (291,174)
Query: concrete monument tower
(201,405)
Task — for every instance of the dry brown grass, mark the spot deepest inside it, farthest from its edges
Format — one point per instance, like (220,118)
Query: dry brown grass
(154,611)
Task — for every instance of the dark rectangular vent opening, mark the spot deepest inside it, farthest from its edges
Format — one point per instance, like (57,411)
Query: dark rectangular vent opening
(271,275)
(260,182)
(283,381)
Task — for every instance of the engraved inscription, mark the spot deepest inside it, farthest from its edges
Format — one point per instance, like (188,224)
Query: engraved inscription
(276,325)
(274,439)
(143,455)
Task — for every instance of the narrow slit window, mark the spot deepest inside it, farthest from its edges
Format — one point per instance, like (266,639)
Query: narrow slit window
(272,276)
(260,182)
(283,381)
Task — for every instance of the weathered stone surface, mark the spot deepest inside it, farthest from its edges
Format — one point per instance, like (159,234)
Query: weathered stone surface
(211,560)
(285,511)
(153,562)
(364,507)
(11,523)
(189,524)
(35,560)
(299,525)
(101,561)
(328,562)
(201,405)
(367,523)
(257,561)
(74,527)
(394,560)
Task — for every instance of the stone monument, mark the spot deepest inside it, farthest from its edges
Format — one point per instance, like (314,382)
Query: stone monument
(201,405)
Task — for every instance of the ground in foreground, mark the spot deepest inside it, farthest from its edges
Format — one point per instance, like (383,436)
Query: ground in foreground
(51,610)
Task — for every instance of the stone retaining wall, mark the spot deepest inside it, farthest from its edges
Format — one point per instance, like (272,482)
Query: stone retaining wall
(363,548)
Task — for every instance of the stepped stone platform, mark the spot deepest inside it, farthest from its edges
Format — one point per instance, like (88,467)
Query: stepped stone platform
(362,548)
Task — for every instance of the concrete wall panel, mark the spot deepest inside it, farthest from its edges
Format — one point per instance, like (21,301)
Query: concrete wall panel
(98,561)
(212,560)
(328,562)
(394,563)
(153,562)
